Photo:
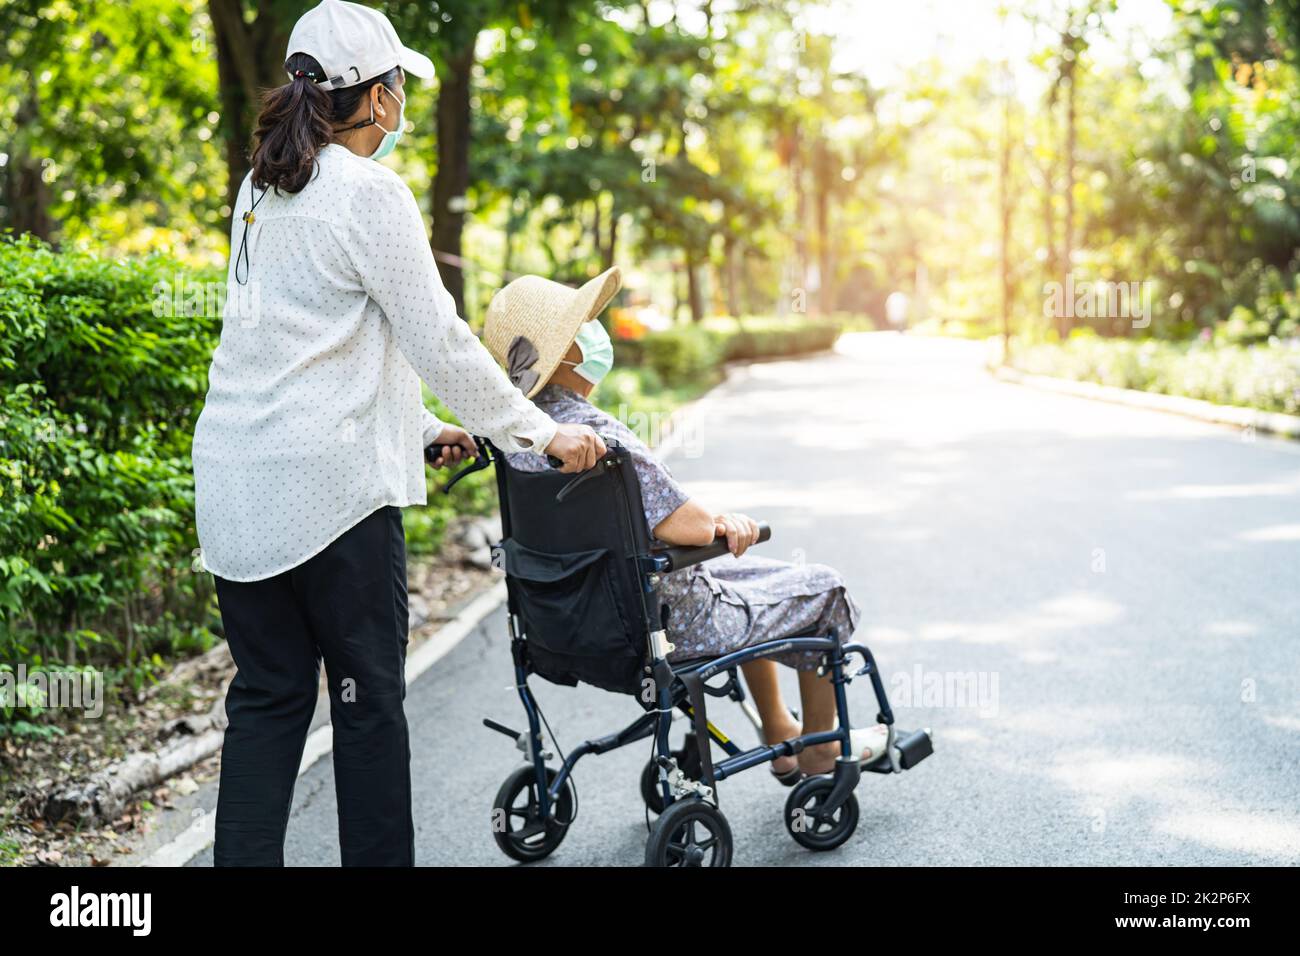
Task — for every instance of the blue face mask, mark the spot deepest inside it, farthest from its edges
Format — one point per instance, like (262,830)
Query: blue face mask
(597,352)
(391,137)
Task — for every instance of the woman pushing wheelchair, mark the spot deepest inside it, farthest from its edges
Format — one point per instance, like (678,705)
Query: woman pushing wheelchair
(556,351)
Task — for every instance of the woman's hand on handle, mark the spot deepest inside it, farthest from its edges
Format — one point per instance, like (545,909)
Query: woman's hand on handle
(577,446)
(741,531)
(455,445)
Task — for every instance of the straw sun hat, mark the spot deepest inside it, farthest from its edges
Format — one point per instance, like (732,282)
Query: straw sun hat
(532,322)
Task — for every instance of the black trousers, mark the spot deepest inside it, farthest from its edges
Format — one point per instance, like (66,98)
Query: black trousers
(347,605)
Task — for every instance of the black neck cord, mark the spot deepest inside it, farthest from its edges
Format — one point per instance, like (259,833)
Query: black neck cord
(241,258)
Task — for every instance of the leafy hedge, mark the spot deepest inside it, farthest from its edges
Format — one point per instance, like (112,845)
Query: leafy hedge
(100,382)
(103,370)
(1263,376)
(687,354)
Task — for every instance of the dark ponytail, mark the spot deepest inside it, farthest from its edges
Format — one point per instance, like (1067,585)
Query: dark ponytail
(298,120)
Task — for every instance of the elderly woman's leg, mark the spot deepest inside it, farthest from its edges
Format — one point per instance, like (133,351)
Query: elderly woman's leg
(757,599)
(835,614)
(818,697)
(778,723)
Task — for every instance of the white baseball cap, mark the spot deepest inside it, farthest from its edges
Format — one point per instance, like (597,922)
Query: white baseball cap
(353,43)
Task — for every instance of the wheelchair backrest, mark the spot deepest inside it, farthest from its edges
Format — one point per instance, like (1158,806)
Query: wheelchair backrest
(576,585)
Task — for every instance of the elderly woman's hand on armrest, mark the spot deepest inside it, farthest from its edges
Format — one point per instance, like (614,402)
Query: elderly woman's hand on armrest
(741,531)
(693,525)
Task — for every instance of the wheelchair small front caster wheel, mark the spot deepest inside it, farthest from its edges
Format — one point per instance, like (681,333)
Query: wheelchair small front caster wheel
(804,819)
(688,761)
(517,824)
(690,832)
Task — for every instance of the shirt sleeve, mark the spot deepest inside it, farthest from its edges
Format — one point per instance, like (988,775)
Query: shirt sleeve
(661,495)
(432,428)
(387,244)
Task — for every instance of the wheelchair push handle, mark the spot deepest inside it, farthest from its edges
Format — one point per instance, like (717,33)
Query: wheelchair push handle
(676,557)
(482,459)
(435,451)
(611,455)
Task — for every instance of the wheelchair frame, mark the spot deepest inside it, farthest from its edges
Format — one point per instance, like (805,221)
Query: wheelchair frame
(824,805)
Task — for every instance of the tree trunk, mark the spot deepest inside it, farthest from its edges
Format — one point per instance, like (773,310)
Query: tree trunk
(1049,214)
(693,286)
(822,184)
(612,246)
(1067,231)
(800,231)
(801,255)
(29,199)
(451,183)
(513,222)
(250,58)
(236,131)
(731,285)
(1005,207)
(26,193)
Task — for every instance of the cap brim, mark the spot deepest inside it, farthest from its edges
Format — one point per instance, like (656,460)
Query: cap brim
(416,64)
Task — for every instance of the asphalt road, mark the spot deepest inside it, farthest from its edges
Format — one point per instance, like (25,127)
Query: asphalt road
(1124,587)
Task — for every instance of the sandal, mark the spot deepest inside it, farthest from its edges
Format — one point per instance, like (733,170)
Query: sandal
(868,743)
(789,777)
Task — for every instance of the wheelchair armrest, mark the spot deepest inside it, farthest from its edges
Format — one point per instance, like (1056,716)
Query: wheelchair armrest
(680,556)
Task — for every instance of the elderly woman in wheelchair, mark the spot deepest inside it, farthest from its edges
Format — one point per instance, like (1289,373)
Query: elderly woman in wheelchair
(639,539)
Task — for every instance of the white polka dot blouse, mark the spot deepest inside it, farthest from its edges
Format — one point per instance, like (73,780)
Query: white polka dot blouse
(313,417)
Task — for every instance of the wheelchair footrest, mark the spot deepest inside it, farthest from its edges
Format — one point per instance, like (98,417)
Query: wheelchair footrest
(913,747)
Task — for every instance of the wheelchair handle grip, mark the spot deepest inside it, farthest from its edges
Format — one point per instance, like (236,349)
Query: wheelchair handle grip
(676,557)
(611,455)
(435,451)
(482,459)
(609,446)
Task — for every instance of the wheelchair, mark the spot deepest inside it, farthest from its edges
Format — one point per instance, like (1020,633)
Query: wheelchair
(582,583)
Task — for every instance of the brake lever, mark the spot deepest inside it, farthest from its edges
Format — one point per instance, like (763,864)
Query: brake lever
(481,461)
(585,476)
(577,481)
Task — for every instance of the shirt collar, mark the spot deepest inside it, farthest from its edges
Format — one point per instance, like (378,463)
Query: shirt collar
(552,392)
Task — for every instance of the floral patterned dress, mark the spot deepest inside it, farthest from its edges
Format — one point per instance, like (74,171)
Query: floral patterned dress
(728,603)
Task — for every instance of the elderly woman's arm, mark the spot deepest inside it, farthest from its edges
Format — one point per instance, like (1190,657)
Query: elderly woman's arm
(694,525)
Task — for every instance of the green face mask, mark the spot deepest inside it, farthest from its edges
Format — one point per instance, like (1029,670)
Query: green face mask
(597,352)
(391,136)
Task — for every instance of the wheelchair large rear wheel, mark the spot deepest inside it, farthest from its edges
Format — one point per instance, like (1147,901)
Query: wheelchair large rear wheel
(691,832)
(517,825)
(801,815)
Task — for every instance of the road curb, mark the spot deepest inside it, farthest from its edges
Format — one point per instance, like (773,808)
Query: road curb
(198,836)
(1274,423)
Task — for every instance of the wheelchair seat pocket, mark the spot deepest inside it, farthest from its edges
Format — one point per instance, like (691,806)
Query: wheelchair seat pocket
(574,625)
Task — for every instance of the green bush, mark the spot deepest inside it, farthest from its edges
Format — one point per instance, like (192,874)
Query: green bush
(1264,376)
(681,354)
(629,393)
(475,494)
(772,337)
(684,355)
(103,371)
(1275,313)
(101,379)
